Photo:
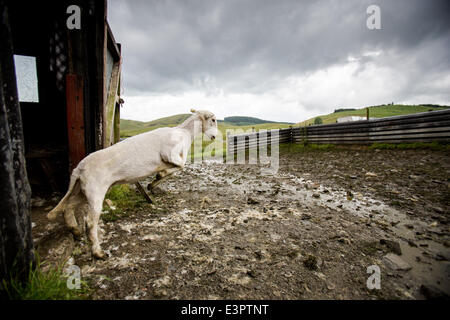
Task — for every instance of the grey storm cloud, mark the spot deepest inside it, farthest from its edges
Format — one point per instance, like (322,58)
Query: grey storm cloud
(249,46)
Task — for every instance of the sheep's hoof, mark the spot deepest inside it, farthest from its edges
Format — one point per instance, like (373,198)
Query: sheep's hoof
(77,234)
(52,215)
(100,254)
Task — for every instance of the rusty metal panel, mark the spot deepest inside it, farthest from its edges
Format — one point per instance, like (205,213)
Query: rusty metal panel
(75,119)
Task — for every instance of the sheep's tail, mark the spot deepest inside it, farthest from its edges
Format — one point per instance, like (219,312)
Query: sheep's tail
(74,188)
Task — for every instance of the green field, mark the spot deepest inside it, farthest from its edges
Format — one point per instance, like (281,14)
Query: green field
(376,112)
(130,128)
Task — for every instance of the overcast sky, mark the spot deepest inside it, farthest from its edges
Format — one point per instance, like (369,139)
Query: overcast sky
(279,60)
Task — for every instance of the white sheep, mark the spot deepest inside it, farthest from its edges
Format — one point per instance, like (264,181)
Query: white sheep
(161,151)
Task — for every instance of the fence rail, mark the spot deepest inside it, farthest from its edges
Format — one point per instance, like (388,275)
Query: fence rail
(420,127)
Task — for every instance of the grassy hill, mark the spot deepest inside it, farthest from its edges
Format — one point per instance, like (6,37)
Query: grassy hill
(248,121)
(375,112)
(130,128)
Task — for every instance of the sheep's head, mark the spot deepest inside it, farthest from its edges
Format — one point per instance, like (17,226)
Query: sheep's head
(209,122)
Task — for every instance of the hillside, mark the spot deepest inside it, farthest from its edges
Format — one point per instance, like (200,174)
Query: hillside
(247,121)
(375,112)
(130,128)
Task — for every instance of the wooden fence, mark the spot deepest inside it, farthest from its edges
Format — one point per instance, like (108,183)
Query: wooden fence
(420,127)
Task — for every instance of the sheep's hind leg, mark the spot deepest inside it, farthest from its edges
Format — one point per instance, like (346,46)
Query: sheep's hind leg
(162,176)
(94,210)
(69,216)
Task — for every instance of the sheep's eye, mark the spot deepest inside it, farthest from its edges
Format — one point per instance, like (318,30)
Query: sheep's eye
(213,120)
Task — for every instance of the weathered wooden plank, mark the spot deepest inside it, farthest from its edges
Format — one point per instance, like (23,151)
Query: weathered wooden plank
(381,133)
(433,124)
(367,142)
(110,106)
(369,127)
(371,138)
(378,123)
(75,119)
(112,44)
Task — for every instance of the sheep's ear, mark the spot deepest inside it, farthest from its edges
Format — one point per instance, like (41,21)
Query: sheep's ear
(193,110)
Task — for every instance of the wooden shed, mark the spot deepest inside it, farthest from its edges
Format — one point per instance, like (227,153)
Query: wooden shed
(68,76)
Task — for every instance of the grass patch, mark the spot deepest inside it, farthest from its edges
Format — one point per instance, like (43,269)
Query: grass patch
(44,285)
(411,146)
(124,199)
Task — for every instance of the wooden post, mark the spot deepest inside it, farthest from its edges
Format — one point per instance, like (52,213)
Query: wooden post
(291,139)
(367,113)
(110,107)
(16,242)
(75,119)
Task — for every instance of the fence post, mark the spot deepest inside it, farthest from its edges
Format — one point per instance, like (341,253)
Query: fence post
(304,134)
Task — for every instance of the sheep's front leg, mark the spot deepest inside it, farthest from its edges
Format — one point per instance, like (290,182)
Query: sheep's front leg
(161,176)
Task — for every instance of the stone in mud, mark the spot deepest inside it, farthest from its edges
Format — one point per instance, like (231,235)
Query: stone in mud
(252,201)
(439,210)
(433,224)
(316,195)
(205,202)
(393,246)
(442,256)
(314,185)
(394,262)
(344,240)
(349,195)
(310,262)
(252,273)
(412,243)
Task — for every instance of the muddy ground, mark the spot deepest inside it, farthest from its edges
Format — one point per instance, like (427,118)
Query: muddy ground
(221,231)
